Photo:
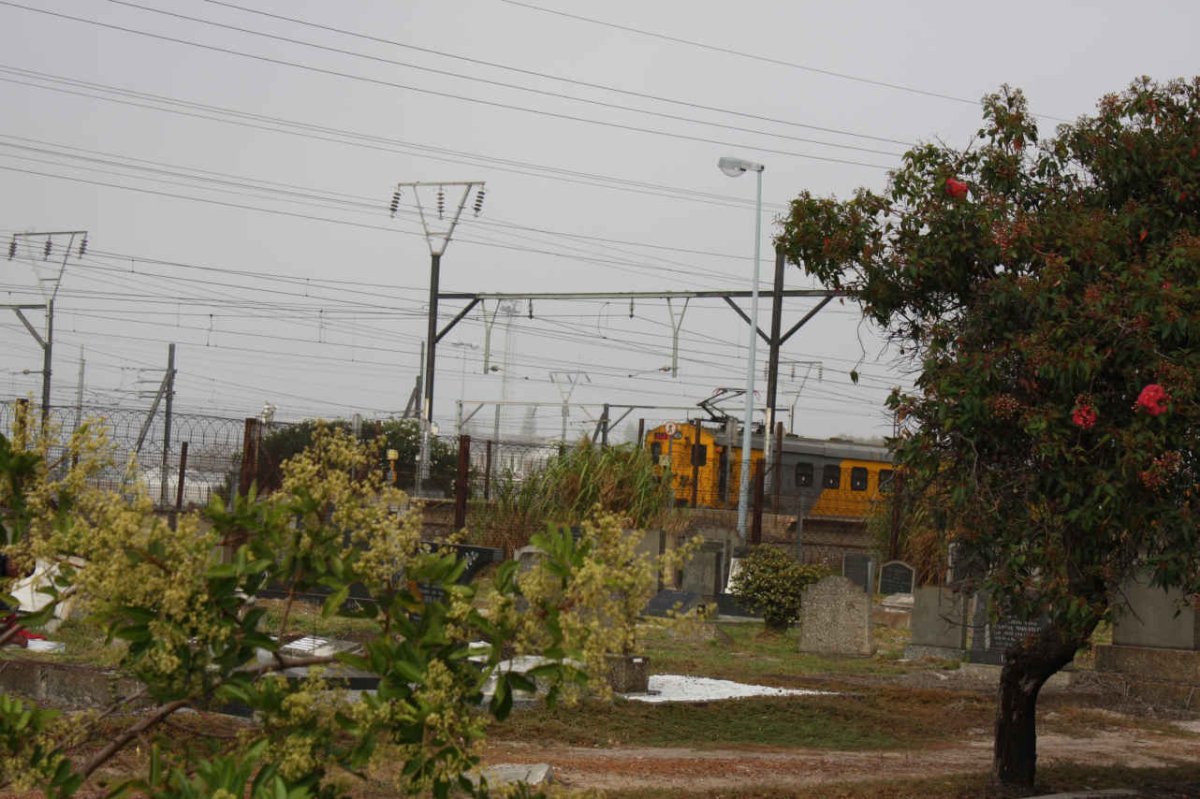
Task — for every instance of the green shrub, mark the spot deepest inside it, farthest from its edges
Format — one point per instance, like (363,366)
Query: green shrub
(772,582)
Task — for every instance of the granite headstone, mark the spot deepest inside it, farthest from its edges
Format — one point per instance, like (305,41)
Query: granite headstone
(835,618)
(939,624)
(896,577)
(859,569)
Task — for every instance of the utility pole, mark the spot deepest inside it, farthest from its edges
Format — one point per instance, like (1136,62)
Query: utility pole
(437,240)
(510,310)
(569,380)
(167,416)
(772,378)
(48,286)
(79,390)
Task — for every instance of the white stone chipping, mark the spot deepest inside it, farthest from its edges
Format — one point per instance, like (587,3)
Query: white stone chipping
(681,688)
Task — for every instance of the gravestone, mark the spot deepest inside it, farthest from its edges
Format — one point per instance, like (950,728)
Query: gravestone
(728,605)
(991,639)
(735,568)
(962,565)
(939,624)
(859,569)
(669,601)
(475,558)
(1155,617)
(702,573)
(896,577)
(526,557)
(835,618)
(1155,653)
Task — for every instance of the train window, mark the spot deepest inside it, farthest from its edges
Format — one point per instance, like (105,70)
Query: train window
(885,481)
(858,478)
(804,475)
(656,451)
(831,476)
(699,455)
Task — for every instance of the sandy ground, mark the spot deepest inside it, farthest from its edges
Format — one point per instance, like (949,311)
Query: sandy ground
(719,770)
(729,769)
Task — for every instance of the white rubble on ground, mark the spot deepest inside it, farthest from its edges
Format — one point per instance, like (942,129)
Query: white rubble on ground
(680,688)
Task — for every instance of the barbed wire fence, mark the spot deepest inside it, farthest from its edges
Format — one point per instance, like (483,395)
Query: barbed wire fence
(204,456)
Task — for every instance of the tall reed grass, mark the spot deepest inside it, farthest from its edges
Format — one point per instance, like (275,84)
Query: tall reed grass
(623,480)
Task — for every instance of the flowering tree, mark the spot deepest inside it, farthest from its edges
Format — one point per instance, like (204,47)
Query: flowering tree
(188,626)
(1048,292)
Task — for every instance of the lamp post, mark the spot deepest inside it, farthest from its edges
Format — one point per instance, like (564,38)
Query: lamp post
(736,167)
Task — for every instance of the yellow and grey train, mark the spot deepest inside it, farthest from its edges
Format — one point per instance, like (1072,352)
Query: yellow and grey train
(815,478)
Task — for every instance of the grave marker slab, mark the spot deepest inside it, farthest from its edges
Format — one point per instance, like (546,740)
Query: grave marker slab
(727,605)
(668,600)
(939,624)
(859,569)
(476,558)
(991,639)
(835,618)
(896,577)
(1154,617)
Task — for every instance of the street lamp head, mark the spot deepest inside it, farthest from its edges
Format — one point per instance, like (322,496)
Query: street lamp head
(735,167)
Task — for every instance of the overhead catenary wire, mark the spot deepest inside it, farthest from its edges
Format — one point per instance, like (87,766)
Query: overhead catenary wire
(560,78)
(661,324)
(447,95)
(759,57)
(307,130)
(501,84)
(622,265)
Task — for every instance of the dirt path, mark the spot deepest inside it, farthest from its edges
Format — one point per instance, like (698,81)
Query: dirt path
(730,769)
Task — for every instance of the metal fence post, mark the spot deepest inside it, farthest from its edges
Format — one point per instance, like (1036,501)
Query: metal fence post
(462,486)
(174,516)
(487,473)
(250,449)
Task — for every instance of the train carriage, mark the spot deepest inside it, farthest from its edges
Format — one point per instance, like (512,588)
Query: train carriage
(816,478)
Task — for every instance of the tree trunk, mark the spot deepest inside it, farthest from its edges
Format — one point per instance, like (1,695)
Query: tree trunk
(1026,668)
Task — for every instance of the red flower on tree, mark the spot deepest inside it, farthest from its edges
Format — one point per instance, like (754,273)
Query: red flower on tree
(956,188)
(1084,416)
(1153,399)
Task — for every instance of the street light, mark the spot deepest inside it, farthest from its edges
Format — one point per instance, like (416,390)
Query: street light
(736,167)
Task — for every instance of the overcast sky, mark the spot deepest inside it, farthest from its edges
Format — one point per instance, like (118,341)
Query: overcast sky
(234,179)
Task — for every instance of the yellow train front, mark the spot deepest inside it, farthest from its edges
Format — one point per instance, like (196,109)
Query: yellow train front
(816,478)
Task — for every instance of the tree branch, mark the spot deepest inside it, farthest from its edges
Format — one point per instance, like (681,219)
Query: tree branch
(114,746)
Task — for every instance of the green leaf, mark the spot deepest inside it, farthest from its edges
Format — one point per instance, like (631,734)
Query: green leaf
(334,601)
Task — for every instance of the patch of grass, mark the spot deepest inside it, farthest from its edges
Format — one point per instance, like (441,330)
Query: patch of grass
(305,618)
(745,653)
(84,640)
(884,719)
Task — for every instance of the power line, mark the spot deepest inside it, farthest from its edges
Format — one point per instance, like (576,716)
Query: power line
(356,307)
(289,190)
(436,93)
(370,141)
(304,195)
(501,84)
(761,58)
(614,263)
(546,75)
